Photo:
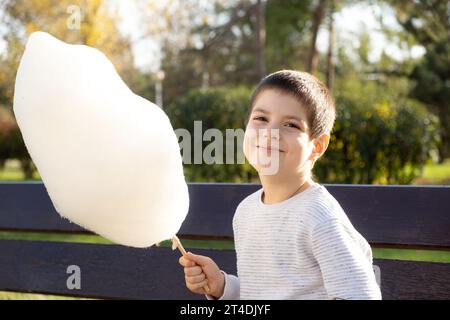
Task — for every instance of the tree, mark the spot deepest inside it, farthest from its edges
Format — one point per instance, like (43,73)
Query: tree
(204,44)
(260,37)
(330,54)
(219,109)
(97,28)
(428,21)
(432,88)
(219,43)
(287,32)
(317,21)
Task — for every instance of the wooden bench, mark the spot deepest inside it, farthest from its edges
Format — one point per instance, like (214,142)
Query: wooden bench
(388,216)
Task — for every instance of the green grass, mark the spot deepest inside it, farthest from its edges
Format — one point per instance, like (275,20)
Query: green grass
(412,255)
(6,295)
(56,237)
(191,245)
(438,171)
(435,174)
(11,175)
(12,172)
(81,238)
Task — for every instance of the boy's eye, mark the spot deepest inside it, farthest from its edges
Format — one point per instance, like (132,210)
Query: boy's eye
(260,118)
(292,125)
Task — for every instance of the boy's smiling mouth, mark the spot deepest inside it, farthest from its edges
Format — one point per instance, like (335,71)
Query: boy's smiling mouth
(270,148)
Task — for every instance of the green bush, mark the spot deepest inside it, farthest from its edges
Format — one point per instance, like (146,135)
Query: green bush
(370,143)
(12,145)
(221,108)
(378,144)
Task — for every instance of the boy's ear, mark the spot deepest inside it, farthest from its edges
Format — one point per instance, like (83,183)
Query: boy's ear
(321,145)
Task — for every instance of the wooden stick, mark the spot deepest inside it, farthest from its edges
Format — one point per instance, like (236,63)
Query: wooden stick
(176,243)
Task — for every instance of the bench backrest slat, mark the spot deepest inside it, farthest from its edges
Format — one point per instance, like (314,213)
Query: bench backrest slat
(416,216)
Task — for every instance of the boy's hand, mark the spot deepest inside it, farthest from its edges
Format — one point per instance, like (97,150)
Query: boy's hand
(199,271)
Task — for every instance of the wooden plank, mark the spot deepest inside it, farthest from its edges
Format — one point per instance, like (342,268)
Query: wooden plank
(27,207)
(212,208)
(107,271)
(110,271)
(412,280)
(415,216)
(398,215)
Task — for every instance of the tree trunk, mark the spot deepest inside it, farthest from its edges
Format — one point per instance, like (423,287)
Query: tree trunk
(330,55)
(318,17)
(27,168)
(444,147)
(260,38)
(206,78)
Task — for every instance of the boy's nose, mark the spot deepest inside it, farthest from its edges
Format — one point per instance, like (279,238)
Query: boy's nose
(271,133)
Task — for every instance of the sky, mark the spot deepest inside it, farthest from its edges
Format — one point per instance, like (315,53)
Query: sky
(348,22)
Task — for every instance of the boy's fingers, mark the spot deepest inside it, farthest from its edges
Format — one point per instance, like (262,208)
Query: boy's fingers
(193,271)
(186,262)
(182,261)
(195,279)
(200,260)
(199,285)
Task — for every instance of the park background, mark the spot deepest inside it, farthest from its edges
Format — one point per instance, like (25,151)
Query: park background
(386,62)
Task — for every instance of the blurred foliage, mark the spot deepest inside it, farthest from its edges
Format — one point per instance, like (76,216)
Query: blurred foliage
(427,22)
(383,133)
(220,52)
(217,108)
(287,30)
(374,140)
(98,28)
(12,144)
(380,143)
(6,125)
(212,53)
(432,87)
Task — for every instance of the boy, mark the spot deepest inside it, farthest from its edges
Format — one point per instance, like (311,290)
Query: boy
(292,238)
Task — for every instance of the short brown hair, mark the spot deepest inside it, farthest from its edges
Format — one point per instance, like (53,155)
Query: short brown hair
(309,91)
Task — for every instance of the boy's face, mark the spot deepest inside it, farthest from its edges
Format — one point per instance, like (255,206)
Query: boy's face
(278,133)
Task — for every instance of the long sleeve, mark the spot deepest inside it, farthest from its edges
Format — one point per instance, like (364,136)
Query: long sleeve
(346,269)
(231,290)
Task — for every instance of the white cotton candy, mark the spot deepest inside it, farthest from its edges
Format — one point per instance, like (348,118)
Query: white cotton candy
(108,158)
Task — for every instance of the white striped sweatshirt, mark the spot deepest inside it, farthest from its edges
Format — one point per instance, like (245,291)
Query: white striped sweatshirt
(302,248)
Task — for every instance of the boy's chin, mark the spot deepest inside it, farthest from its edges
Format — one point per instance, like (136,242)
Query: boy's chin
(268,171)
